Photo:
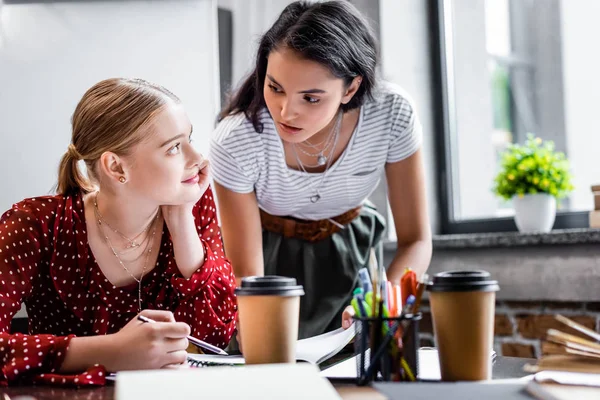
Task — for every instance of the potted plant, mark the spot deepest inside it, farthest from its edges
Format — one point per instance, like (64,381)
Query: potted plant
(534,176)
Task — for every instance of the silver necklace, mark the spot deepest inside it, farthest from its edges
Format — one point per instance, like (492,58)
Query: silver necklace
(320,153)
(317,196)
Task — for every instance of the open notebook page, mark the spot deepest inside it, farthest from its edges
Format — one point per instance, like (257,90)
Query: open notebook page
(314,350)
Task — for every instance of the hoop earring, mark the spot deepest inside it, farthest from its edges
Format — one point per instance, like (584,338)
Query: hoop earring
(122,179)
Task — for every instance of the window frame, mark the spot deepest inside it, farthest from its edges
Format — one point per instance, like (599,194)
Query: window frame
(444,135)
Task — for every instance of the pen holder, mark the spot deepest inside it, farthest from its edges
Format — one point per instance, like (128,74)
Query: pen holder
(380,355)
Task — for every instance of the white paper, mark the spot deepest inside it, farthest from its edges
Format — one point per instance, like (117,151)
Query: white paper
(264,382)
(429,367)
(320,348)
(568,378)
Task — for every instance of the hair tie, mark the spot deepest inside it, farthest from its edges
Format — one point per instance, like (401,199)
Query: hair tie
(73,152)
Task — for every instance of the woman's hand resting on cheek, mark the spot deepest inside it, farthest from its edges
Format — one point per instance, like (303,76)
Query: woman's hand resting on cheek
(140,345)
(175,215)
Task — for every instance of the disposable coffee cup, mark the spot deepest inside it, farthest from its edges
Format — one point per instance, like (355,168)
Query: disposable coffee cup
(269,313)
(462,309)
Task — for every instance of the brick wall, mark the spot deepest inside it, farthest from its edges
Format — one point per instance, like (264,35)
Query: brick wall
(520,327)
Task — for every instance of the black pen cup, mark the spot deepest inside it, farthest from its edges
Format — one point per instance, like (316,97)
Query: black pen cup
(380,355)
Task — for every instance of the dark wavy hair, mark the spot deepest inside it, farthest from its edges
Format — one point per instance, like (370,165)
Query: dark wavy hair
(332,33)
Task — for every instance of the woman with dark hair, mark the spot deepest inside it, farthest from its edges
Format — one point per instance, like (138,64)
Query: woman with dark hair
(299,149)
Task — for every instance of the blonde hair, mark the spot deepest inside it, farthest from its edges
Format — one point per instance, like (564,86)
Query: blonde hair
(108,117)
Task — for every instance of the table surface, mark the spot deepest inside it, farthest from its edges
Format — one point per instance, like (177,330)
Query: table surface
(504,367)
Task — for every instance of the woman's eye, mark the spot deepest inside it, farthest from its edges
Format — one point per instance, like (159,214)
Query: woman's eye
(312,100)
(274,89)
(175,149)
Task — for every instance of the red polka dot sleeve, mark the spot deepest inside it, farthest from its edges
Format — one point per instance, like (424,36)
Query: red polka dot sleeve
(207,300)
(28,358)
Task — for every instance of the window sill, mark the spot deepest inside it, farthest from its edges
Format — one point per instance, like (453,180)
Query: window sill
(511,239)
(562,265)
(516,239)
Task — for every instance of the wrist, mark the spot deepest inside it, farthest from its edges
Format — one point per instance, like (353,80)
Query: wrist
(181,224)
(109,352)
(84,352)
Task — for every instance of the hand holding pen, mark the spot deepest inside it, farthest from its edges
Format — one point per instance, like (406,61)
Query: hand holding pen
(143,346)
(200,343)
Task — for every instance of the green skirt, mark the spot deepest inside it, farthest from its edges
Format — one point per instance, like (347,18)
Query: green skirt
(327,269)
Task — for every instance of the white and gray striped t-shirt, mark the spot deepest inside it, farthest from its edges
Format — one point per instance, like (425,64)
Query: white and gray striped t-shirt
(243,160)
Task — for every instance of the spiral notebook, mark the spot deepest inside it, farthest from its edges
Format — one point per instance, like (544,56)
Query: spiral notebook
(314,350)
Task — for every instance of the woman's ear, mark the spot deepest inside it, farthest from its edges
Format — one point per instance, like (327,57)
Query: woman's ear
(112,167)
(351,89)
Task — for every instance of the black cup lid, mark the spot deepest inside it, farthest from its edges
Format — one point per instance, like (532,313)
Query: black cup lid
(463,281)
(269,286)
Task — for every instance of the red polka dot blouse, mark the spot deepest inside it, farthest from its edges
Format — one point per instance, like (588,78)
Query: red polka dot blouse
(45,262)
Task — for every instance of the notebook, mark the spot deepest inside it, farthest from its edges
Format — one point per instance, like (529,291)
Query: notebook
(581,354)
(264,382)
(556,385)
(314,350)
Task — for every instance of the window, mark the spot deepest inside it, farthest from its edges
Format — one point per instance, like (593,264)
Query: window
(508,68)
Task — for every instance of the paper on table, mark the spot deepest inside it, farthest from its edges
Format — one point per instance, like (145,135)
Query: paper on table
(568,378)
(544,390)
(317,349)
(276,381)
(429,367)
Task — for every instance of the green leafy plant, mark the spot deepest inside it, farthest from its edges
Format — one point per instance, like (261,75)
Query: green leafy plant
(534,167)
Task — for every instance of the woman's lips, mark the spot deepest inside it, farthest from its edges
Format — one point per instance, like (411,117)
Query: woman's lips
(289,129)
(193,180)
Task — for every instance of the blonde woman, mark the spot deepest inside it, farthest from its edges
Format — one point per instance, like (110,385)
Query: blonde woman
(139,237)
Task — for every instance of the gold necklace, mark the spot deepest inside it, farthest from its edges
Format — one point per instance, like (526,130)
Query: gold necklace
(150,244)
(131,242)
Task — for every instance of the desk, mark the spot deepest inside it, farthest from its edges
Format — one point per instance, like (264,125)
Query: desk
(504,367)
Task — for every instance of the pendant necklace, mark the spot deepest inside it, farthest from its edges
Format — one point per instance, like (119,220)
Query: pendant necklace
(328,160)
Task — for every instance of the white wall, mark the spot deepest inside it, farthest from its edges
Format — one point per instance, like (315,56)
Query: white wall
(251,18)
(51,52)
(406,61)
(581,63)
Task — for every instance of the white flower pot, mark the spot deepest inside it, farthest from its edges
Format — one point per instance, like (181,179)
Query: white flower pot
(535,212)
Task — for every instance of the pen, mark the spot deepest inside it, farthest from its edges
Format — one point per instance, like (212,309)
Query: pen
(420,287)
(398,299)
(408,282)
(392,300)
(407,308)
(384,293)
(365,280)
(358,301)
(197,342)
(373,266)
